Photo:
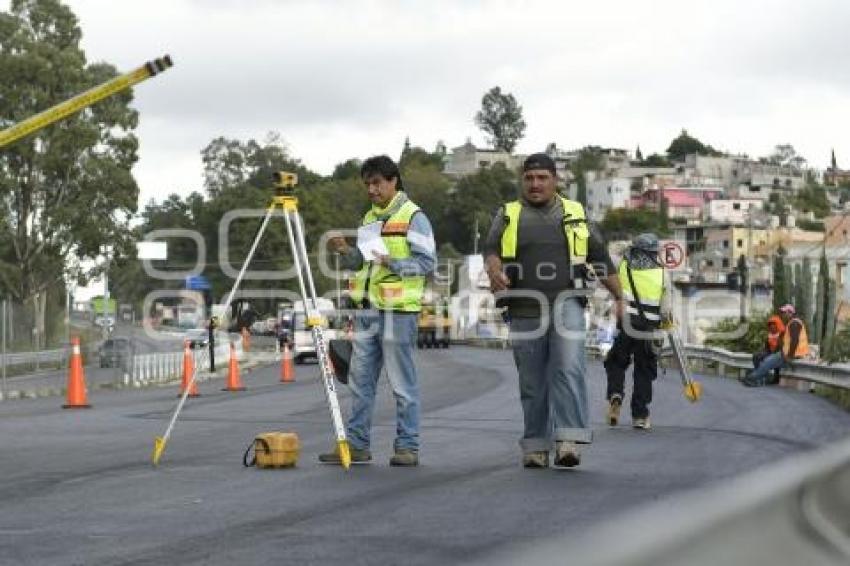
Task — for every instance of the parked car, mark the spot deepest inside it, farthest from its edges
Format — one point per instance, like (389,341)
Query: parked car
(115,352)
(198,337)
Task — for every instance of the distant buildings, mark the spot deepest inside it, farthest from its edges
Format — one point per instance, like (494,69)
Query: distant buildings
(467,160)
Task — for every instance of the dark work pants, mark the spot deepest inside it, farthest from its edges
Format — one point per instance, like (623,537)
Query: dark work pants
(645,371)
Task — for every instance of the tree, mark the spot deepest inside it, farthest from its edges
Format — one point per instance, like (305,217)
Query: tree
(685,145)
(625,223)
(821,314)
(589,159)
(232,163)
(813,198)
(53,184)
(475,199)
(743,283)
(781,285)
(429,188)
(420,157)
(784,155)
(805,304)
(655,160)
(348,169)
(501,117)
(663,213)
(798,293)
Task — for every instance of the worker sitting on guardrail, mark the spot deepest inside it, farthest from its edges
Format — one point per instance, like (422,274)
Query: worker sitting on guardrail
(795,344)
(772,344)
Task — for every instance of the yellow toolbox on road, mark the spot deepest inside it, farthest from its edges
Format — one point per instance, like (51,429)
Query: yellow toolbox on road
(273,450)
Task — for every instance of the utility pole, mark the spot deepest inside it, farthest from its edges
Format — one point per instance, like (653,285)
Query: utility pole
(106,294)
(749,285)
(3,345)
(475,239)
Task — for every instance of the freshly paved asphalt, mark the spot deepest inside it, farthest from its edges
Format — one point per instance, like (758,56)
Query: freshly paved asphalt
(77,487)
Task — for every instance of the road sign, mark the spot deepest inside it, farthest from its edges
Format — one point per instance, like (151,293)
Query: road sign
(197,283)
(672,254)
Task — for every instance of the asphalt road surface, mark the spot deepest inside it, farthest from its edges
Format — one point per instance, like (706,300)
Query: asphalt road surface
(77,487)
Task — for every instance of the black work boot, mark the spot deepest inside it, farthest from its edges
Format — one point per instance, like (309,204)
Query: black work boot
(405,457)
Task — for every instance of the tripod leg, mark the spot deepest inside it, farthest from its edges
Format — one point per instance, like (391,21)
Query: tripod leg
(248,258)
(300,254)
(299,234)
(161,441)
(296,255)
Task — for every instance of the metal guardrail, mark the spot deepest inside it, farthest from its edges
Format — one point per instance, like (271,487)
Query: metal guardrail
(837,375)
(794,512)
(59,355)
(162,367)
(727,362)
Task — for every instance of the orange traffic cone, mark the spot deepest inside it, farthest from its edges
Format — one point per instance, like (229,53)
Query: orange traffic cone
(287,373)
(188,370)
(234,382)
(76,395)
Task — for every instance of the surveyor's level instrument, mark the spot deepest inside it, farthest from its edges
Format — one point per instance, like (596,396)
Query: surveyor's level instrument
(87,98)
(287,202)
(692,389)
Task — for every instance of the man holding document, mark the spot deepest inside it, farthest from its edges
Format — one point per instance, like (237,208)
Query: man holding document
(395,252)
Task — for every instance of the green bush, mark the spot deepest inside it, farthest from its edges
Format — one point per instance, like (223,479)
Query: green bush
(752,341)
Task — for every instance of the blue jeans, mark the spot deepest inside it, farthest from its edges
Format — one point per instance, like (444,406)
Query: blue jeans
(767,365)
(384,339)
(551,368)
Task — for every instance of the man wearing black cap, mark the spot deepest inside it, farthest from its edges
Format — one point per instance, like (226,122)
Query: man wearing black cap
(542,256)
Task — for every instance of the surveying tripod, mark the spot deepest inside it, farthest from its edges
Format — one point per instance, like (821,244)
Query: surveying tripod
(286,200)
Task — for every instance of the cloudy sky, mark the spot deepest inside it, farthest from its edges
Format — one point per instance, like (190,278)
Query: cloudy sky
(351,79)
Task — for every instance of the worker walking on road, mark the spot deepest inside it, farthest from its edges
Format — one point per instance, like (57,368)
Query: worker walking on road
(538,256)
(387,293)
(638,338)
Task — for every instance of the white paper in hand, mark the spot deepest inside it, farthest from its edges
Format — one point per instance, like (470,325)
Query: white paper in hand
(369,241)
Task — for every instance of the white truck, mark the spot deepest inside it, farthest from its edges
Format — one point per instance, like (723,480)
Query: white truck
(303,346)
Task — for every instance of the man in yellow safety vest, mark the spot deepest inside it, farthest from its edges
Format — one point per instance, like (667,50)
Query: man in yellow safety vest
(642,278)
(395,251)
(543,256)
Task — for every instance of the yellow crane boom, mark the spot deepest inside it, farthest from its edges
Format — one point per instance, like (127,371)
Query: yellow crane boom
(87,98)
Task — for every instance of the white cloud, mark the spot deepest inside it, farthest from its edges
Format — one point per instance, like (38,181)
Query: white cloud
(345,79)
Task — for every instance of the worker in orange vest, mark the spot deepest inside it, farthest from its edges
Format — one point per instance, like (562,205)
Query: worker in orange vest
(772,344)
(794,345)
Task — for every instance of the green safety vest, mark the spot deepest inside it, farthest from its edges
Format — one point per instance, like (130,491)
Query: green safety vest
(649,285)
(387,290)
(575,230)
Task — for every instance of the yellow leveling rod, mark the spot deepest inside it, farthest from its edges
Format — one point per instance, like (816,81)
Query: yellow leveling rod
(87,98)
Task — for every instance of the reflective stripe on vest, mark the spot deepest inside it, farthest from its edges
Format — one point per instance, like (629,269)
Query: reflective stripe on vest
(650,289)
(802,341)
(387,290)
(575,230)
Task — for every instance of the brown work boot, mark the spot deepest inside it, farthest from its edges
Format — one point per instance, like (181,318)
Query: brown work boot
(614,405)
(535,460)
(566,454)
(405,457)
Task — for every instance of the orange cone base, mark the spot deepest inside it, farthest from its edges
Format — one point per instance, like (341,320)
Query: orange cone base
(234,389)
(189,395)
(76,406)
